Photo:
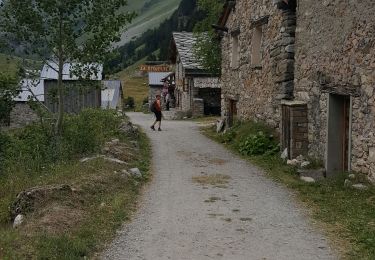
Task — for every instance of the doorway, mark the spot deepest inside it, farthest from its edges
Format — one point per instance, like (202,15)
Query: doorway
(338,139)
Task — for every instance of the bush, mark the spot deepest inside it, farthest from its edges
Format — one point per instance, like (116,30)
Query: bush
(129,102)
(258,144)
(34,147)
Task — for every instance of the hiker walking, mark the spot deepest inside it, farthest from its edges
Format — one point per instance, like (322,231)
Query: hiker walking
(156,108)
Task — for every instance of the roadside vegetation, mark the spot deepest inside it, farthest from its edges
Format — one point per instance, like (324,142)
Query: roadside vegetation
(75,207)
(346,214)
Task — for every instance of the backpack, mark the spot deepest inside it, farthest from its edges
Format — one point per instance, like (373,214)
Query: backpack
(152,107)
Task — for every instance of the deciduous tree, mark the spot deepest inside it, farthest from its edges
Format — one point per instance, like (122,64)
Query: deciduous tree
(61,31)
(208,47)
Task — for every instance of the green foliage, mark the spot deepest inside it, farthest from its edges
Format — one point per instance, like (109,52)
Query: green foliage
(208,43)
(8,90)
(85,133)
(37,147)
(258,144)
(129,103)
(80,31)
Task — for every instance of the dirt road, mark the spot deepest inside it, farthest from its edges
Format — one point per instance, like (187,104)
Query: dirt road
(206,203)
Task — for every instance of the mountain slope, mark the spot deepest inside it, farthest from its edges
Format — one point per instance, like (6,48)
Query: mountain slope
(151,13)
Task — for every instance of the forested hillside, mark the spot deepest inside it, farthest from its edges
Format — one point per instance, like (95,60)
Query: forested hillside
(183,19)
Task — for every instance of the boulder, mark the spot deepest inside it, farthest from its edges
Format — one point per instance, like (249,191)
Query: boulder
(220,125)
(284,154)
(359,186)
(18,220)
(305,164)
(129,129)
(135,172)
(27,200)
(307,179)
(316,174)
(293,162)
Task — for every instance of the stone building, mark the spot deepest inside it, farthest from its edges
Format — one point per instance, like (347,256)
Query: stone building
(196,89)
(22,114)
(157,85)
(335,82)
(257,59)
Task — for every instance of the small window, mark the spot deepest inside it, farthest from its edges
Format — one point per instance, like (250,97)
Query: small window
(256,46)
(235,62)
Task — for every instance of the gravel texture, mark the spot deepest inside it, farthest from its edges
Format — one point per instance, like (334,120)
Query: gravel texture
(250,217)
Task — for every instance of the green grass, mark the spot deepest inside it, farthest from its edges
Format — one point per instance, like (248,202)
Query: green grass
(79,224)
(135,85)
(347,215)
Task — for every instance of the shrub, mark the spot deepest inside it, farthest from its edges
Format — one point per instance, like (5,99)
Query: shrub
(85,133)
(129,102)
(35,147)
(258,144)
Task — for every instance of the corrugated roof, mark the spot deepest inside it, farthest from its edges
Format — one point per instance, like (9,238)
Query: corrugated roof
(185,42)
(50,71)
(111,94)
(154,78)
(36,86)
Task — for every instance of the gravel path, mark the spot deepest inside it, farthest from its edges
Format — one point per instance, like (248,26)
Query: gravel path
(251,217)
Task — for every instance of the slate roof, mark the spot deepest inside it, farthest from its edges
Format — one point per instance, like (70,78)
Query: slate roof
(184,43)
(111,94)
(51,73)
(154,78)
(36,86)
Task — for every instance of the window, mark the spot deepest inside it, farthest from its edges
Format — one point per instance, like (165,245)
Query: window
(235,62)
(256,46)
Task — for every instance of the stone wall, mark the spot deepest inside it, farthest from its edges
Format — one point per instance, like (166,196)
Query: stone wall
(258,88)
(22,115)
(198,107)
(336,54)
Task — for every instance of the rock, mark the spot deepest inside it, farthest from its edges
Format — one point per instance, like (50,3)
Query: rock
(351,176)
(129,129)
(307,179)
(135,172)
(110,159)
(220,125)
(347,183)
(316,174)
(18,220)
(305,164)
(359,186)
(284,154)
(293,162)
(29,199)
(115,141)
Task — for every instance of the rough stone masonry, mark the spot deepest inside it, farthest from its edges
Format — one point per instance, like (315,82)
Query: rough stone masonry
(335,55)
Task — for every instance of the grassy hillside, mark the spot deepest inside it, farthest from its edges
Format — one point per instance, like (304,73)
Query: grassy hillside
(135,85)
(147,18)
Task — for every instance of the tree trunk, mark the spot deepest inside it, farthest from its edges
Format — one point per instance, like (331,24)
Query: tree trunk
(60,116)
